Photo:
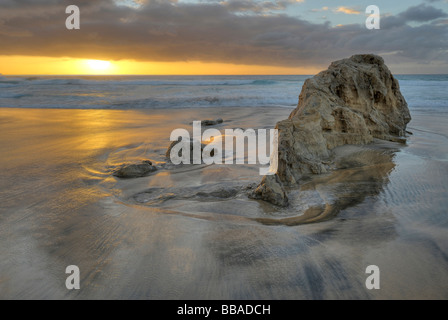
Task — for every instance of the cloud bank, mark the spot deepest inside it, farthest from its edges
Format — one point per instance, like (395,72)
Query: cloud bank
(229,31)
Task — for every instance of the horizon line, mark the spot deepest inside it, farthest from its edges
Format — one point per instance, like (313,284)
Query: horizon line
(194,75)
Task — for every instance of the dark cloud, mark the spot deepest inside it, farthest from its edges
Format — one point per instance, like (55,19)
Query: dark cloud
(211,32)
(422,13)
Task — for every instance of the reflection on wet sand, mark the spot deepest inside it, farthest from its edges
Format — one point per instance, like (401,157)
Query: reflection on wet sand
(194,234)
(360,172)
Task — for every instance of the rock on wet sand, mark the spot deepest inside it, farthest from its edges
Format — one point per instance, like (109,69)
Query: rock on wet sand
(208,123)
(353,102)
(135,170)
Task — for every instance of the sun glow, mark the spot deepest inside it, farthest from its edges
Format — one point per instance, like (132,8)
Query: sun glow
(28,65)
(99,65)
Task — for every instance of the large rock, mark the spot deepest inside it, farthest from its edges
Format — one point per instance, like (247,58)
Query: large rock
(353,102)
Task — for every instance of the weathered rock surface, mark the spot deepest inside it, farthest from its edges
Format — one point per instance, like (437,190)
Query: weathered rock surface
(271,190)
(135,170)
(353,102)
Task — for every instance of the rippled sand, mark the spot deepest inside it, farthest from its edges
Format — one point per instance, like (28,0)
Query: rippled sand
(190,232)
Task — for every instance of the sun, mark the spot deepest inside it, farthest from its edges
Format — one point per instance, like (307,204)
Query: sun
(99,65)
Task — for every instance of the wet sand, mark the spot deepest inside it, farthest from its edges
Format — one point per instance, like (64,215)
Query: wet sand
(191,232)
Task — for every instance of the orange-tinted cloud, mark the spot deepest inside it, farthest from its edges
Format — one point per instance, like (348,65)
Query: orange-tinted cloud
(347,10)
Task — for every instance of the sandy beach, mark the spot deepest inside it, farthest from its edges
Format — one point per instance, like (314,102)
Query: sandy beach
(237,153)
(174,235)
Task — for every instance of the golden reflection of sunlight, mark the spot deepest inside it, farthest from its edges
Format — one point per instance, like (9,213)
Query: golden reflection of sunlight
(93,128)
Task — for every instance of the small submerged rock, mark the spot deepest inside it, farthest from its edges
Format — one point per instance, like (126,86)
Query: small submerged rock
(222,193)
(208,123)
(193,144)
(135,170)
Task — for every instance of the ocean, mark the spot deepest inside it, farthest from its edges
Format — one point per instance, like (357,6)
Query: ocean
(426,93)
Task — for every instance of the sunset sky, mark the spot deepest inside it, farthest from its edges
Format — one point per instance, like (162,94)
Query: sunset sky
(218,36)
